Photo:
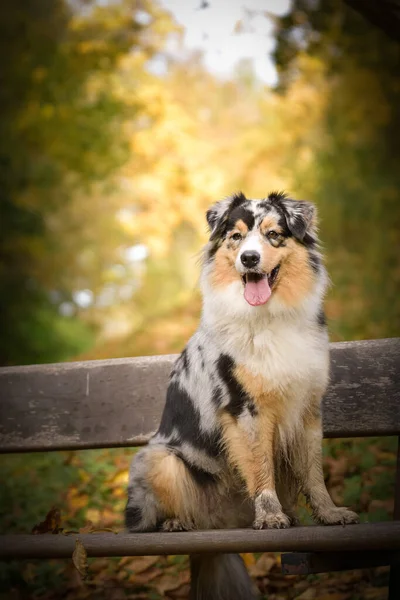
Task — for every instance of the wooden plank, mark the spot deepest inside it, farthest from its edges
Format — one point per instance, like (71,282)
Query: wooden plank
(374,536)
(110,403)
(306,563)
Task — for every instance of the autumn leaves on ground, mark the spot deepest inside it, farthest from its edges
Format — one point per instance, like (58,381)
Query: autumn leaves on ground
(114,140)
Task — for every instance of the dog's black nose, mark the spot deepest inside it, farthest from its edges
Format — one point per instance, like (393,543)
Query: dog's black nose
(250,258)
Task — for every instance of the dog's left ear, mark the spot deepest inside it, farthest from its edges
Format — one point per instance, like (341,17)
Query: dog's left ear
(301,216)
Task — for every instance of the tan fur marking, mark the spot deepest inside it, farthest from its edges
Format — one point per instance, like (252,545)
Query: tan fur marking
(224,271)
(296,278)
(265,396)
(240,455)
(270,223)
(173,485)
(241,226)
(253,453)
(253,458)
(312,414)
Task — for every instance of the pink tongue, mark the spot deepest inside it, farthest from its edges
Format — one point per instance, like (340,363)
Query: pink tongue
(257,292)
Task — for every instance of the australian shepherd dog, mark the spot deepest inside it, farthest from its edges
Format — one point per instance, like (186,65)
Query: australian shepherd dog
(240,436)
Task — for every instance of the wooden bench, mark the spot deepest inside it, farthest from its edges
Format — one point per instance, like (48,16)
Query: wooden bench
(118,403)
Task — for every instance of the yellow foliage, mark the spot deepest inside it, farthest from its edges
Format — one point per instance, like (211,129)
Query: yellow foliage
(120,479)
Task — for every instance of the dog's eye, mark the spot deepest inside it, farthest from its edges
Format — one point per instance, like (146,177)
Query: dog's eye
(236,237)
(275,238)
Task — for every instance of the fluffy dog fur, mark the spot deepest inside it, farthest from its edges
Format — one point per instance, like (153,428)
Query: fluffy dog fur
(240,436)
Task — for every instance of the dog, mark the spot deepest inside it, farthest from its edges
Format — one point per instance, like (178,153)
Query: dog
(240,436)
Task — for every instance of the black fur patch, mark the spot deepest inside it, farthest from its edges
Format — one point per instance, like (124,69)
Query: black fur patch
(273,201)
(282,222)
(217,396)
(200,476)
(237,199)
(240,213)
(309,241)
(181,414)
(218,224)
(252,408)
(297,226)
(239,398)
(315,261)
(202,361)
(277,196)
(321,318)
(185,361)
(133,516)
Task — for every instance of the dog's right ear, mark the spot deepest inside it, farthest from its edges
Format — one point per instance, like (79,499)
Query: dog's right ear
(217,215)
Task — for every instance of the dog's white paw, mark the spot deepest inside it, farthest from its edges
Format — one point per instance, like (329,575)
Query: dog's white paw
(265,520)
(338,516)
(174,525)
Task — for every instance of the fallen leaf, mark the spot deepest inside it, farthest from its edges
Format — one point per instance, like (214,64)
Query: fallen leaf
(99,564)
(120,479)
(107,517)
(86,528)
(146,576)
(78,501)
(51,524)
(248,559)
(182,591)
(168,582)
(138,564)
(262,566)
(79,558)
(309,594)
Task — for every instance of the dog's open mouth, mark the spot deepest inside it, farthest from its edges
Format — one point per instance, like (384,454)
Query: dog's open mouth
(257,286)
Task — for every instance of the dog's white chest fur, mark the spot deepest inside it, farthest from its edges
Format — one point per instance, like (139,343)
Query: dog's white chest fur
(281,349)
(285,354)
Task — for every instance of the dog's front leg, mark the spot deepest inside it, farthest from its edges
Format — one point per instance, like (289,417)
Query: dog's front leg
(250,449)
(324,510)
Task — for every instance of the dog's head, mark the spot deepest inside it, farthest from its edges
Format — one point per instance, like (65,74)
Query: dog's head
(263,249)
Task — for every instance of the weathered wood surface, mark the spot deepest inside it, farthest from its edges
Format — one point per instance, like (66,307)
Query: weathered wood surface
(118,402)
(374,536)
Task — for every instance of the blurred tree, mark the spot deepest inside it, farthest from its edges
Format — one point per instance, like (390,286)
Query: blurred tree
(61,131)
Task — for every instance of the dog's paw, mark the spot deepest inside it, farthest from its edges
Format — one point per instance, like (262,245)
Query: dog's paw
(265,520)
(338,516)
(174,525)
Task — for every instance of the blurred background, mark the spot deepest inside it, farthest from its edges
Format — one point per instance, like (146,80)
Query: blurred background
(121,121)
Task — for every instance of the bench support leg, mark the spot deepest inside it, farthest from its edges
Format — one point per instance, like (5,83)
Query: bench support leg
(394,581)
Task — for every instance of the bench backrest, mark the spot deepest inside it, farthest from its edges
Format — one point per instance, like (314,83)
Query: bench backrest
(109,403)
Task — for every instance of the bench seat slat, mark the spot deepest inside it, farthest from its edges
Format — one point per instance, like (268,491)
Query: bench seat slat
(374,536)
(110,403)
